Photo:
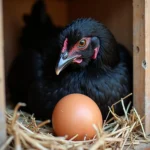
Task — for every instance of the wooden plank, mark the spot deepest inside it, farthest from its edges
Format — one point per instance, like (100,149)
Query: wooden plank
(147,58)
(2,87)
(141,59)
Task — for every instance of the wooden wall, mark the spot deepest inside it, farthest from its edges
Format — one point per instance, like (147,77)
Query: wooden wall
(2,83)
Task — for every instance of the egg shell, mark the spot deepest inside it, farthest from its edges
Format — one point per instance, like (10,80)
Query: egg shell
(76,114)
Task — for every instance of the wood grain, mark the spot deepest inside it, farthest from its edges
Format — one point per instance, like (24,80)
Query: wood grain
(2,88)
(141,58)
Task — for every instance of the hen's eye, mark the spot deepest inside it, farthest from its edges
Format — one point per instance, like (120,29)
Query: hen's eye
(82,43)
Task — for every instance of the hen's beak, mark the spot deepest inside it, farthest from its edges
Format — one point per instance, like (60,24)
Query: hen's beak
(64,61)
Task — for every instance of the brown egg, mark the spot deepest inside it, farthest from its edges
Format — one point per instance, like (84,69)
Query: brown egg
(75,114)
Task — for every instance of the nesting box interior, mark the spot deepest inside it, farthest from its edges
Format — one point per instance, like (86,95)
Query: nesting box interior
(116,15)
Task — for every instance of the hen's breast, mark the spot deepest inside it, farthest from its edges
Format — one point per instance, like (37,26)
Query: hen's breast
(104,87)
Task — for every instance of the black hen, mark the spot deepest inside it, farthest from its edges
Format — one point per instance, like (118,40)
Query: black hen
(91,62)
(39,34)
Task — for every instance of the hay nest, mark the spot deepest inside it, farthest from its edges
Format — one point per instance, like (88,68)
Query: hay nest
(25,132)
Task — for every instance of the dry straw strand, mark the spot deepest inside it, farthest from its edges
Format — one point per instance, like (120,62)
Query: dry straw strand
(25,132)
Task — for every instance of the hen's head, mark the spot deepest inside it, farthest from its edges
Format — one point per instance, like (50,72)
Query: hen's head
(85,42)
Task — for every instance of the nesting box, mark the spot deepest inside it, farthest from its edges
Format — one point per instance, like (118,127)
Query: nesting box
(128,20)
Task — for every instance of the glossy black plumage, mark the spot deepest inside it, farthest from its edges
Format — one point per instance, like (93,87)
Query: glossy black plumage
(32,78)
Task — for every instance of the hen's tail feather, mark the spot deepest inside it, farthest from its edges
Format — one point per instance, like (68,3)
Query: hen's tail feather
(38,14)
(38,28)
